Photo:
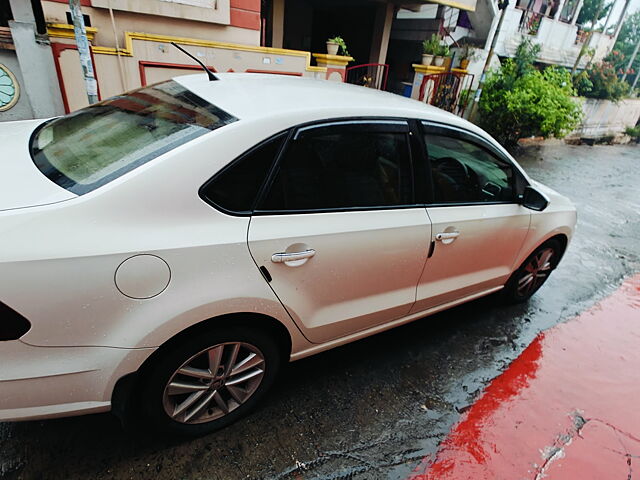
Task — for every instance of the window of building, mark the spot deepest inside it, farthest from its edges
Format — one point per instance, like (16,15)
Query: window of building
(341,167)
(236,187)
(86,18)
(464,172)
(5,14)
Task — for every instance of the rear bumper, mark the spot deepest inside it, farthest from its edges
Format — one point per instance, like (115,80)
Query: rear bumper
(49,382)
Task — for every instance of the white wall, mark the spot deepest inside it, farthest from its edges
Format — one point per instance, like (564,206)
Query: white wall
(556,38)
(604,117)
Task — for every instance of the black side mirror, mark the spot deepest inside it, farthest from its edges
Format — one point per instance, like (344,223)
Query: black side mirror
(534,199)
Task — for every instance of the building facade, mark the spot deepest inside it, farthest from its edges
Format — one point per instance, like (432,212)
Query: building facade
(41,76)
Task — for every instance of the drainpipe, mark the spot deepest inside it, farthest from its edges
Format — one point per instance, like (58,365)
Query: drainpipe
(82,43)
(585,45)
(577,12)
(606,22)
(559,10)
(115,37)
(476,98)
(633,57)
(635,81)
(620,21)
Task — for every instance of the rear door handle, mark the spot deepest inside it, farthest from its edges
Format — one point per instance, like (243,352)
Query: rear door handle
(447,237)
(283,257)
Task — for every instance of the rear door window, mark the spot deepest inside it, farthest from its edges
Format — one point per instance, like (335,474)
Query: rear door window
(350,165)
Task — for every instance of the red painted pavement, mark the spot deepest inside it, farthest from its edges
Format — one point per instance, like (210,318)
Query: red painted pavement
(567,408)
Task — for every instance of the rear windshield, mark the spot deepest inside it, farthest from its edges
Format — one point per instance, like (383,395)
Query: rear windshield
(97,144)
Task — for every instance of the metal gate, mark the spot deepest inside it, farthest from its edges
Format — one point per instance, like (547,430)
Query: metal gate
(450,91)
(372,75)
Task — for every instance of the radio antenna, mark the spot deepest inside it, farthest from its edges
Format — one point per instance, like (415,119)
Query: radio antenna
(211,75)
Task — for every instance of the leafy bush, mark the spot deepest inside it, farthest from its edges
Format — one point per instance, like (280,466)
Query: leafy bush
(633,131)
(600,81)
(519,101)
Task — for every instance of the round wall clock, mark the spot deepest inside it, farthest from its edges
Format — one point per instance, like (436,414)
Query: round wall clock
(9,89)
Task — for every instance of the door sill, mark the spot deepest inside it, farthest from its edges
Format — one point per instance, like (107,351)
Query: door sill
(387,326)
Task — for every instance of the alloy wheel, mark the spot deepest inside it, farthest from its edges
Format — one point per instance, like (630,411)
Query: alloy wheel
(213,382)
(535,272)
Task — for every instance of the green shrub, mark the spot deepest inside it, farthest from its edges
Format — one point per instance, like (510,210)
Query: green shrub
(519,101)
(600,81)
(633,131)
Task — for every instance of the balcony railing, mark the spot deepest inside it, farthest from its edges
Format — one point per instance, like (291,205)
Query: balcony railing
(530,22)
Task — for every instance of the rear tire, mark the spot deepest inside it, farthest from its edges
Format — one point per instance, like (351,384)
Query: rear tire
(533,272)
(207,381)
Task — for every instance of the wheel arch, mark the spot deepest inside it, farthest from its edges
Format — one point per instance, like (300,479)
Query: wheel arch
(562,238)
(125,385)
(561,234)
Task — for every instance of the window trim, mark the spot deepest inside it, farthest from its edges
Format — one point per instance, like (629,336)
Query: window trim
(386,124)
(518,181)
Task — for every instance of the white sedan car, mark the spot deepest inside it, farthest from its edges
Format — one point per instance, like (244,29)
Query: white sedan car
(164,252)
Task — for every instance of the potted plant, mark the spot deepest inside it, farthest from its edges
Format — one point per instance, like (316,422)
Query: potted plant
(441,53)
(429,49)
(467,54)
(337,43)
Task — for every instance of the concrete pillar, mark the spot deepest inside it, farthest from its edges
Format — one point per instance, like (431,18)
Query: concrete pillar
(576,12)
(559,10)
(40,81)
(420,71)
(277,24)
(336,65)
(381,32)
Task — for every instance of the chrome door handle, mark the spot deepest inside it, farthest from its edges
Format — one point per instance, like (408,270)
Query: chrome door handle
(447,237)
(291,257)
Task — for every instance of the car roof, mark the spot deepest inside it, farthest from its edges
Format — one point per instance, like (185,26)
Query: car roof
(252,96)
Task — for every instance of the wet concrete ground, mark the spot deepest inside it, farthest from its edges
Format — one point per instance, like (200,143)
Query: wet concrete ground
(375,408)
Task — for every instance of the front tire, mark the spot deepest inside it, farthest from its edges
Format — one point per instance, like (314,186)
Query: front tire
(533,272)
(208,381)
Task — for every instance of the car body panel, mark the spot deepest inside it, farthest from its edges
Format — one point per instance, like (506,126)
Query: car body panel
(72,380)
(458,269)
(364,271)
(21,183)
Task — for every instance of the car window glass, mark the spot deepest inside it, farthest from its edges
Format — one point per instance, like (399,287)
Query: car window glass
(88,148)
(235,188)
(342,167)
(464,172)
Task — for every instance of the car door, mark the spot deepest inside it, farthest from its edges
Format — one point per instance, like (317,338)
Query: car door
(478,226)
(337,230)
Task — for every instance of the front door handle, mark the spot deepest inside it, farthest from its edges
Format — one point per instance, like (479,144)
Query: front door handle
(283,257)
(447,237)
